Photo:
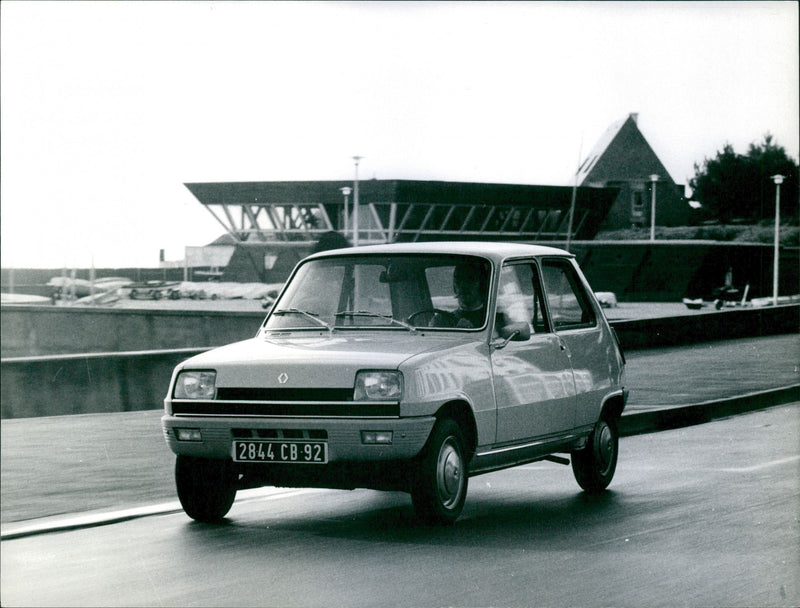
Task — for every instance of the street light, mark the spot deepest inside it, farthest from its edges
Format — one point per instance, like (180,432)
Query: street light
(346,191)
(355,203)
(778,179)
(654,179)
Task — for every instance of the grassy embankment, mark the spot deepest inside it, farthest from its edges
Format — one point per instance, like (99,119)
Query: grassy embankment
(757,233)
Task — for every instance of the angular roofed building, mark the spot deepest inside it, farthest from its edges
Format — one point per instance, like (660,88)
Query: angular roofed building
(623,159)
(272,225)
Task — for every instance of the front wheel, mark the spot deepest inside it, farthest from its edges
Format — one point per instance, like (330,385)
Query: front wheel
(206,487)
(439,484)
(595,464)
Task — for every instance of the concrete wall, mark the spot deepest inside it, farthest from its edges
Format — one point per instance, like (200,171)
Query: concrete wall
(86,384)
(666,271)
(637,271)
(52,330)
(118,382)
(708,327)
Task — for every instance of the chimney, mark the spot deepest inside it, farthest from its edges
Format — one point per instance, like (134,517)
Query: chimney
(635,117)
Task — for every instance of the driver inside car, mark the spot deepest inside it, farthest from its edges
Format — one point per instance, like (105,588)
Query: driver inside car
(469,286)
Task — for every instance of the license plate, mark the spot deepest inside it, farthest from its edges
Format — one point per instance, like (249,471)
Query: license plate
(308,452)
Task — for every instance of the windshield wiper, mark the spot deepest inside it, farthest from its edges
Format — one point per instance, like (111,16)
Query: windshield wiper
(308,315)
(377,315)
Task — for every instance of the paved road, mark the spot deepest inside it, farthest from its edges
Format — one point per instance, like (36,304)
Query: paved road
(712,370)
(701,516)
(51,467)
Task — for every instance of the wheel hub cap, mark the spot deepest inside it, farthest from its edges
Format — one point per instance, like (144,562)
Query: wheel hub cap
(449,474)
(605,447)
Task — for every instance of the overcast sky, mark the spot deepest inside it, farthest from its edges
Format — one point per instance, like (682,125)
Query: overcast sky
(108,108)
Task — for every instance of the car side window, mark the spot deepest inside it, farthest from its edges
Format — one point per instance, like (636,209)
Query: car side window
(519,298)
(570,306)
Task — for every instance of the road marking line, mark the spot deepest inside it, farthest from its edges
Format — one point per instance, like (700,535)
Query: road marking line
(764,465)
(92,519)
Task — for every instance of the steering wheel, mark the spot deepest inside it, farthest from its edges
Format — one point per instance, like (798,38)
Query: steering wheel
(432,317)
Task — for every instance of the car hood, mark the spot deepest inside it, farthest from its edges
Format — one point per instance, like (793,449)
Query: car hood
(320,361)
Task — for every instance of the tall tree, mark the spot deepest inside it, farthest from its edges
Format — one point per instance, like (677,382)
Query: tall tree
(735,186)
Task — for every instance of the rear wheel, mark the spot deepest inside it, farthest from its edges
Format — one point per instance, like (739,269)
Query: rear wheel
(206,487)
(439,486)
(595,464)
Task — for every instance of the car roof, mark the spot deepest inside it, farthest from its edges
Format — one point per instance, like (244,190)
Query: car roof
(496,251)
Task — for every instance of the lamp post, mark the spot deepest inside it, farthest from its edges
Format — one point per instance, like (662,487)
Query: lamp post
(778,179)
(654,180)
(356,159)
(346,192)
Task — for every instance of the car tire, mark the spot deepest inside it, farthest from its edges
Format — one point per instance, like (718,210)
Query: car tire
(206,487)
(595,464)
(439,484)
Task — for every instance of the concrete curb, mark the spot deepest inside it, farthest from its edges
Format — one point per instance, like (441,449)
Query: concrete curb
(666,418)
(634,423)
(80,521)
(65,523)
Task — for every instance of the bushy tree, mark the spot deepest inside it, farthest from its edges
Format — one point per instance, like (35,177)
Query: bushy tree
(735,186)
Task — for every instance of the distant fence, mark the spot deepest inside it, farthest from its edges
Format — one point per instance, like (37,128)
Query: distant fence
(87,383)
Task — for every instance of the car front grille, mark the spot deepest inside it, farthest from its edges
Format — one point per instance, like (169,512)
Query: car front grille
(349,409)
(284,394)
(286,434)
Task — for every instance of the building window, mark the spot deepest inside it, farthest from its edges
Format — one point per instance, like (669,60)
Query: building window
(637,206)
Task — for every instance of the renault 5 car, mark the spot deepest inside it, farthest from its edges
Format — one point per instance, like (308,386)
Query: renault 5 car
(408,367)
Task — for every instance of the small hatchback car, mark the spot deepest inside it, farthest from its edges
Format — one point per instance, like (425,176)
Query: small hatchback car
(404,367)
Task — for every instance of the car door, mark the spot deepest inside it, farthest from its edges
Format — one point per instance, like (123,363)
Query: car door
(575,321)
(533,382)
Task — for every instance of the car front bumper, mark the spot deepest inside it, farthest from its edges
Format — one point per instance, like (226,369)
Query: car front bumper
(343,436)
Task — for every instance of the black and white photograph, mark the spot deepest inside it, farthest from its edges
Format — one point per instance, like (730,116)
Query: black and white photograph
(402,304)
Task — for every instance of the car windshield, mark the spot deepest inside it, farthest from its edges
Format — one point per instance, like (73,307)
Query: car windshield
(399,292)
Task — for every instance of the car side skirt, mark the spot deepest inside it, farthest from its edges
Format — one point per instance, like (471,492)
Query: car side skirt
(504,457)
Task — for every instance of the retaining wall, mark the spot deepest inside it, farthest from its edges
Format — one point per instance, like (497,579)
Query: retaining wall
(87,384)
(708,326)
(105,382)
(53,330)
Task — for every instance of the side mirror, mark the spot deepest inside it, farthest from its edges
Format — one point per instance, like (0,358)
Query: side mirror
(518,332)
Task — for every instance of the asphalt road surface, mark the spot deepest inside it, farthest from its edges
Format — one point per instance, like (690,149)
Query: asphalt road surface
(52,466)
(701,516)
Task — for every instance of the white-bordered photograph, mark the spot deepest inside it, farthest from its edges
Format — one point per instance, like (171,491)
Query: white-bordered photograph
(402,304)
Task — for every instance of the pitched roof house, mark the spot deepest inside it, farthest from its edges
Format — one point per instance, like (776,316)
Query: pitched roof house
(622,158)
